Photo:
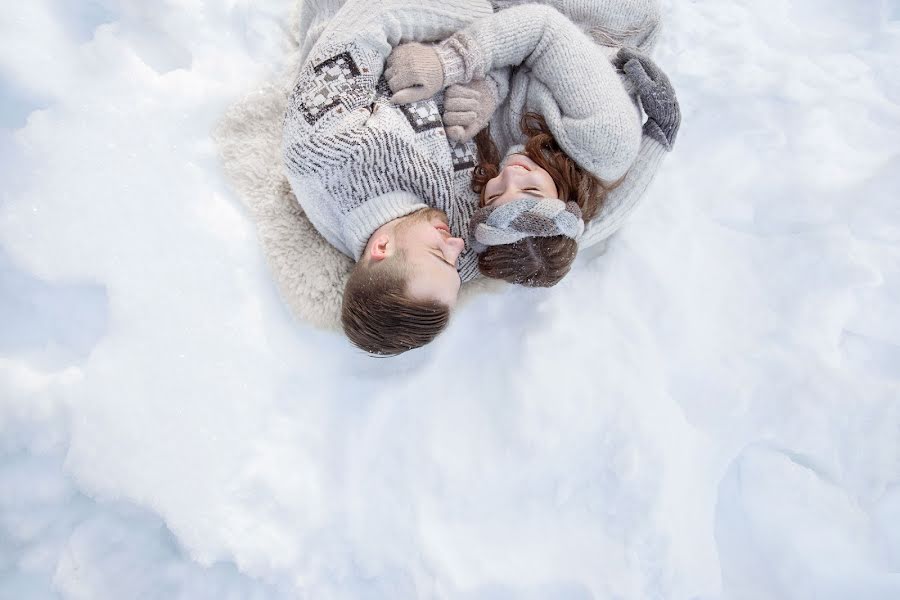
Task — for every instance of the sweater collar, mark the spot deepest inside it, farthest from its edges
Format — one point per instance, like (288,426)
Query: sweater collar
(361,222)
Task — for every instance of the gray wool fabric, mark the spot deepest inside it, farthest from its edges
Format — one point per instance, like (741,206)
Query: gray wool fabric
(655,91)
(356,161)
(522,218)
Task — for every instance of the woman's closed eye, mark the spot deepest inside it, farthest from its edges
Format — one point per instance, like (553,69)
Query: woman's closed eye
(532,190)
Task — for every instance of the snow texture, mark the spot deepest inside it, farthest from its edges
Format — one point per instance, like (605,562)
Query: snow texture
(707,410)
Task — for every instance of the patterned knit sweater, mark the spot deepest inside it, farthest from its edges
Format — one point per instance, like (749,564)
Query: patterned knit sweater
(564,47)
(354,160)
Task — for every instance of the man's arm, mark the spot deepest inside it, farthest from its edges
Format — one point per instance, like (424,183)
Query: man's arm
(378,25)
(341,73)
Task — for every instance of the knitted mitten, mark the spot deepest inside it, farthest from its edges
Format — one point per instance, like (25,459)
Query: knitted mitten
(656,93)
(468,108)
(414,72)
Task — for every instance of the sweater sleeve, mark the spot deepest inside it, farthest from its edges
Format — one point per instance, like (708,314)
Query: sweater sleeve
(577,89)
(378,25)
(630,23)
(340,75)
(622,200)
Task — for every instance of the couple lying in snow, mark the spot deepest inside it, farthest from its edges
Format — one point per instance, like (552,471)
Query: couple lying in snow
(378,137)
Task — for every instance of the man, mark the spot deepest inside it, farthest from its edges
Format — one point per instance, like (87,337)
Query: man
(380,181)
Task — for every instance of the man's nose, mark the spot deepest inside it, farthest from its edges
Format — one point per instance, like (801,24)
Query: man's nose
(455,246)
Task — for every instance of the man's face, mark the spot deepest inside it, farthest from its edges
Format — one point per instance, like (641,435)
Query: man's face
(431,254)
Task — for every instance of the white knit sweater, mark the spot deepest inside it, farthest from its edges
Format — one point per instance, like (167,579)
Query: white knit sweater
(355,160)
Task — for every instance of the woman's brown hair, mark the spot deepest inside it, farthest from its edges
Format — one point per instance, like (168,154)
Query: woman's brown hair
(537,261)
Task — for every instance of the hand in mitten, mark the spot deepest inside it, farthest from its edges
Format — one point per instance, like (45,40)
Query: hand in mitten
(468,108)
(414,72)
(656,93)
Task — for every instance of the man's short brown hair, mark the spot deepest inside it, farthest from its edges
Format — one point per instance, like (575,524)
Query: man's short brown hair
(378,315)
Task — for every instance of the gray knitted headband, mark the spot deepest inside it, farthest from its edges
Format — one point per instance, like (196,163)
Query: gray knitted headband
(519,219)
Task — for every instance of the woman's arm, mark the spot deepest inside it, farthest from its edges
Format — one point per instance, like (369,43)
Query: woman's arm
(660,130)
(576,88)
(622,200)
(631,23)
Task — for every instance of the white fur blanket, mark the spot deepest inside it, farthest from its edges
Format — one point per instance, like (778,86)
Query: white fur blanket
(309,272)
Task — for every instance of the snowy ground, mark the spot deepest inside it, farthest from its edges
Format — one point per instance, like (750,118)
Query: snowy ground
(710,410)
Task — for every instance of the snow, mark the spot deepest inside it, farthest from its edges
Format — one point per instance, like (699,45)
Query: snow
(709,410)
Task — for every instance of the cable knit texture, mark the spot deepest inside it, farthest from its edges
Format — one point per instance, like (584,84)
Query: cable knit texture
(356,161)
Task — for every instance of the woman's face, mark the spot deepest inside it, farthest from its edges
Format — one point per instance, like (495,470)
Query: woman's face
(520,177)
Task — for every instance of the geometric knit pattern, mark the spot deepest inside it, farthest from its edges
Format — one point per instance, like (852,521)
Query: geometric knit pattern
(336,81)
(422,115)
(332,84)
(464,156)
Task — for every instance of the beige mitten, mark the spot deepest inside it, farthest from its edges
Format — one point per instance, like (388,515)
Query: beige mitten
(468,108)
(414,72)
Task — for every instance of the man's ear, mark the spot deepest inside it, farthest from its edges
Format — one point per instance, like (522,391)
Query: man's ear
(380,247)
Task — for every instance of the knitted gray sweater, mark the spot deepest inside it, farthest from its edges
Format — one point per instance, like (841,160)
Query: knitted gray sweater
(355,160)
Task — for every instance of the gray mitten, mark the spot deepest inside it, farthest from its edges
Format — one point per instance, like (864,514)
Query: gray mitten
(656,93)
(468,108)
(414,72)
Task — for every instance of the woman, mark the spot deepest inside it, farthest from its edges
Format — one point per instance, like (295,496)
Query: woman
(573,144)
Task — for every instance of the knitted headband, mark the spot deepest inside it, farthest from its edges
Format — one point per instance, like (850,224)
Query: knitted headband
(519,219)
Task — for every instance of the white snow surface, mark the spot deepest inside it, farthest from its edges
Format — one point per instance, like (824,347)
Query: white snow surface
(708,410)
